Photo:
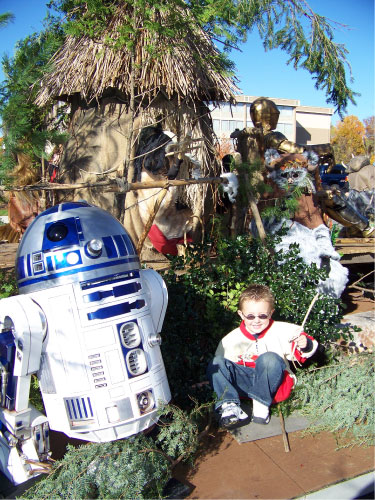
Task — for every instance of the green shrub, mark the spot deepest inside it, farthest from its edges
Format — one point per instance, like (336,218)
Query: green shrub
(138,467)
(8,284)
(179,431)
(121,469)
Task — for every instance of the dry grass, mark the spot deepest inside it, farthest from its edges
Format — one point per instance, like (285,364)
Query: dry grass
(190,69)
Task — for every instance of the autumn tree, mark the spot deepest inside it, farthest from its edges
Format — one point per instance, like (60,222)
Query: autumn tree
(224,147)
(348,139)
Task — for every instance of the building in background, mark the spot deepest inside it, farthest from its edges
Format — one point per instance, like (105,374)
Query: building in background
(301,124)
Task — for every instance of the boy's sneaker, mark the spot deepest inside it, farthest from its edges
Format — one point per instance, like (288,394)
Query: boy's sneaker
(231,413)
(260,420)
(261,413)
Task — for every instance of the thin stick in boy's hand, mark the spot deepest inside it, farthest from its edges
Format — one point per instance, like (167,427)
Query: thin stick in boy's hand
(300,340)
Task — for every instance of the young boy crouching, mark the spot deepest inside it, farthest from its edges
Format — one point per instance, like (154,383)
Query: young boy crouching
(251,361)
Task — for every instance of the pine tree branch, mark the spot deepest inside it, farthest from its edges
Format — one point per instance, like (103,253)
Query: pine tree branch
(161,452)
(334,376)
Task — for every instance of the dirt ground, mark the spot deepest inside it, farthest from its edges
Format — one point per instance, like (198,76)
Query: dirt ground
(263,470)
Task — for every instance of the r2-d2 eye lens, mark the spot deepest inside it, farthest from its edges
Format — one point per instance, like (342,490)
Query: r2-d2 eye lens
(57,232)
(94,247)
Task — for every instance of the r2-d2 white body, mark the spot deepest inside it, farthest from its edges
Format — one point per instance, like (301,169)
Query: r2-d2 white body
(96,321)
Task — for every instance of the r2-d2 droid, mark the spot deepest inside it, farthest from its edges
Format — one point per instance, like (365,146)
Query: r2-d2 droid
(88,323)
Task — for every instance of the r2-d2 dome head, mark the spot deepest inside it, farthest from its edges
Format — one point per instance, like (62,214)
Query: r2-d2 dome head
(71,242)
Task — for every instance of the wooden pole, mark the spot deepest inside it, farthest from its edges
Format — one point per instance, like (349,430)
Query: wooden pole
(43,197)
(283,431)
(257,217)
(282,423)
(115,186)
(254,209)
(151,218)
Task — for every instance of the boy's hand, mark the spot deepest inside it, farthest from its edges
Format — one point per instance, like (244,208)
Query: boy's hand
(300,341)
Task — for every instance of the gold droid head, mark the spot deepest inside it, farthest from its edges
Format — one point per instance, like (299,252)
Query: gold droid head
(264,113)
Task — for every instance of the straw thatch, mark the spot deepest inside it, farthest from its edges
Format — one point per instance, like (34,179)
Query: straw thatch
(90,67)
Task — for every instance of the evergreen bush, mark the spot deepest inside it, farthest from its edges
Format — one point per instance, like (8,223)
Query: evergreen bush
(134,468)
(130,468)
(8,284)
(339,397)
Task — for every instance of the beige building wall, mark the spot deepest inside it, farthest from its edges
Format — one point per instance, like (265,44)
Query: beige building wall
(313,125)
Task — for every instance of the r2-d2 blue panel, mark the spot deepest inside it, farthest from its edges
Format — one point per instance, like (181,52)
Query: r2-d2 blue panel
(101,373)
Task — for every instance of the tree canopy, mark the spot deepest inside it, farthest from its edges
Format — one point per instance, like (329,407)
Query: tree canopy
(369,124)
(5,18)
(348,139)
(23,123)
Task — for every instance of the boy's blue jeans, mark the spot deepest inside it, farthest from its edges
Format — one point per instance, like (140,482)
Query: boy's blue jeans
(231,381)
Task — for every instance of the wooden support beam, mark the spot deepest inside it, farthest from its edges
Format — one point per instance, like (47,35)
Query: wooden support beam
(283,430)
(114,186)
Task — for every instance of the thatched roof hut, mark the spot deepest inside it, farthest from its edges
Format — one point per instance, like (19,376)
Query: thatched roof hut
(190,69)
(171,88)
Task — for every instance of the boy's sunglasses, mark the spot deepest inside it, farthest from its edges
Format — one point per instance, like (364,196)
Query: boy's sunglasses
(251,317)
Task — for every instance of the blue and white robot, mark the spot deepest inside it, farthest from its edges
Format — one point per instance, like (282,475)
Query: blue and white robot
(87,322)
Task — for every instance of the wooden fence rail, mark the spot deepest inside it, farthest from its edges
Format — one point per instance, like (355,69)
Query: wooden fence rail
(114,185)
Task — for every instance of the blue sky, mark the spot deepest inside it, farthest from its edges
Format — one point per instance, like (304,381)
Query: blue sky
(260,72)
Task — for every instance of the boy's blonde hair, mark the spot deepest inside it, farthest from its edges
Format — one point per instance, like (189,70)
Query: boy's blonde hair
(257,292)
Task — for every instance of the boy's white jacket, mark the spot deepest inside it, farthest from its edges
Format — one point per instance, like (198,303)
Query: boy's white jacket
(278,339)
